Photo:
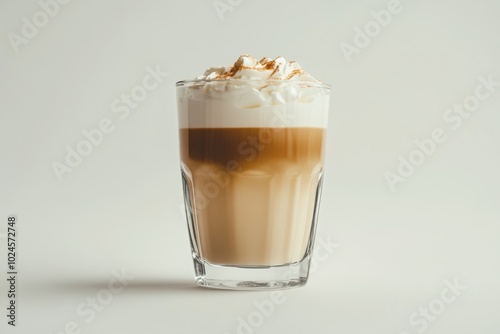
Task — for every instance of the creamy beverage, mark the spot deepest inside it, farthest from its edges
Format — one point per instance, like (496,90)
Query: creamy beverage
(256,189)
(252,142)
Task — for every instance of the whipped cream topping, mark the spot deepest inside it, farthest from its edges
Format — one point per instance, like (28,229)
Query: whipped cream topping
(253,93)
(249,68)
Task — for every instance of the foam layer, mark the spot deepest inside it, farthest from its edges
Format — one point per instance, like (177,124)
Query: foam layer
(251,93)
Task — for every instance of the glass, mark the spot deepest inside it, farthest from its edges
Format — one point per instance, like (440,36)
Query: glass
(252,156)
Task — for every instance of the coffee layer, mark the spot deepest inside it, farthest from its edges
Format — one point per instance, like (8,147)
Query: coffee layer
(253,191)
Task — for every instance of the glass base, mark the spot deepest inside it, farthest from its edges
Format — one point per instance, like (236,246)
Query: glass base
(288,276)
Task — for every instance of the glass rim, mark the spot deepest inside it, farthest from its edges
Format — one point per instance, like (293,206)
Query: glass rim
(302,83)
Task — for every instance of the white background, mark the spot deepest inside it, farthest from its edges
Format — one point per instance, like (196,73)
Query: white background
(121,207)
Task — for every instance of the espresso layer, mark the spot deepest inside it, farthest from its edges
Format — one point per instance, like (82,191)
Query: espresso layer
(253,191)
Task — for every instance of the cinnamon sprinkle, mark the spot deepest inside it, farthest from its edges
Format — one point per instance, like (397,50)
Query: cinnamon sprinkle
(266,64)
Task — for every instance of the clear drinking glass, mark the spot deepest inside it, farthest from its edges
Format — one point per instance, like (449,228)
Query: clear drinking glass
(252,155)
